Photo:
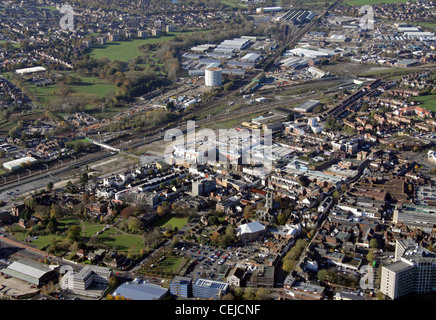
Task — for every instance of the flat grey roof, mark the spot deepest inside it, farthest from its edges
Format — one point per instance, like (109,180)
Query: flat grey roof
(141,291)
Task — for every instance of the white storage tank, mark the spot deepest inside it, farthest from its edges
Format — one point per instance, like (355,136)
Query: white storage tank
(213,77)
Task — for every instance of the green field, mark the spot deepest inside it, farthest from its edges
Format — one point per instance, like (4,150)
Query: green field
(50,8)
(91,230)
(428,102)
(94,86)
(170,263)
(373,2)
(128,49)
(90,90)
(16,45)
(122,242)
(173,221)
(233,3)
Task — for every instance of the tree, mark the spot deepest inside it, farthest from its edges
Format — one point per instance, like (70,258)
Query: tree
(230,231)
(84,179)
(288,265)
(49,186)
(25,214)
(213,220)
(249,294)
(113,281)
(323,275)
(370,255)
(163,210)
(249,211)
(373,243)
(134,224)
(263,294)
(51,226)
(74,232)
(281,218)
(215,237)
(30,204)
(175,242)
(127,212)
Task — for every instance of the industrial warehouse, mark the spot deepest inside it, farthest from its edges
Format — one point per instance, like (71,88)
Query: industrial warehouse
(30,271)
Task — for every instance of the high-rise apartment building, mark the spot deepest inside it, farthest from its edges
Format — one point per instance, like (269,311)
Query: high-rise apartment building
(412,272)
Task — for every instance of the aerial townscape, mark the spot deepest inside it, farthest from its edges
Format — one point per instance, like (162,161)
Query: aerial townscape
(226,150)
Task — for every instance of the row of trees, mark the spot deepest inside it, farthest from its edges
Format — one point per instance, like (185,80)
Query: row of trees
(291,258)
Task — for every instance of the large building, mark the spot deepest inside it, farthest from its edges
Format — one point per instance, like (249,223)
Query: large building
(30,70)
(137,290)
(298,16)
(30,271)
(213,77)
(415,216)
(209,289)
(251,231)
(268,9)
(307,106)
(263,276)
(181,287)
(412,272)
(301,290)
(90,281)
(203,186)
(17,163)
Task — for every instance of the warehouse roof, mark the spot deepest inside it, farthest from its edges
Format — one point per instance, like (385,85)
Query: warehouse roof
(16,163)
(27,269)
(30,70)
(141,291)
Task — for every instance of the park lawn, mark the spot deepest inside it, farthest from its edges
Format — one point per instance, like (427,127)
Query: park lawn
(234,3)
(90,87)
(94,86)
(427,101)
(44,241)
(170,263)
(92,230)
(6,126)
(173,221)
(122,242)
(65,224)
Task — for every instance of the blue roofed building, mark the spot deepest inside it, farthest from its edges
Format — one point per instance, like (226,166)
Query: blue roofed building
(181,287)
(209,289)
(139,290)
